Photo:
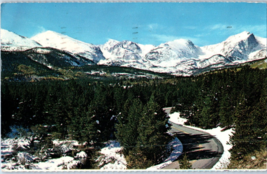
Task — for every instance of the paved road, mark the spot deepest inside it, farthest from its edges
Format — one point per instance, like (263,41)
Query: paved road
(202,149)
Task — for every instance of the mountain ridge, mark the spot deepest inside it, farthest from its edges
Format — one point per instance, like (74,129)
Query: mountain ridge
(178,57)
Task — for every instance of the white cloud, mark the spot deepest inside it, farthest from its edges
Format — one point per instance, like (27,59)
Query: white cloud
(218,27)
(152,26)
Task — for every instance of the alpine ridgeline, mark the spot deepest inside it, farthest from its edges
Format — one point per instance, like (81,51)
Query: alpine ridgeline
(178,57)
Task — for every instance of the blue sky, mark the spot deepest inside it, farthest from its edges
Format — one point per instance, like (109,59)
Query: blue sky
(145,23)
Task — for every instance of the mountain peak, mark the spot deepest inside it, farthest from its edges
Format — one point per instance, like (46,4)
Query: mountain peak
(241,36)
(63,42)
(48,34)
(51,32)
(112,40)
(60,41)
(180,42)
(4,31)
(11,39)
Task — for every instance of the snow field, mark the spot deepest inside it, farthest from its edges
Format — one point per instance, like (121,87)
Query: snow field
(223,137)
(112,153)
(16,41)
(10,145)
(57,164)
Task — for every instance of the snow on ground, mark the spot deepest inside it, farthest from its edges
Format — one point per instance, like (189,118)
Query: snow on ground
(111,153)
(113,159)
(81,154)
(11,145)
(67,145)
(66,162)
(222,136)
(175,118)
(7,144)
(177,151)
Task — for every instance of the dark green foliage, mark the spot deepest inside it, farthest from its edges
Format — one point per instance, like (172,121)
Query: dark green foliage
(137,160)
(153,126)
(128,123)
(184,163)
(131,111)
(226,109)
(11,61)
(229,98)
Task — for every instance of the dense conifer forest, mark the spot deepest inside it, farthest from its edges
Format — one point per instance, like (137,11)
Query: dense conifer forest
(131,111)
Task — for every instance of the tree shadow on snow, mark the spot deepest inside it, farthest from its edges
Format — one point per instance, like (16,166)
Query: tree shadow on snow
(193,146)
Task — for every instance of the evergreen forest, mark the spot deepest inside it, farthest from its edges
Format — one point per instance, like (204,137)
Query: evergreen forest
(131,111)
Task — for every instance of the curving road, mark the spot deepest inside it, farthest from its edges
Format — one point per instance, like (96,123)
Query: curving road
(202,149)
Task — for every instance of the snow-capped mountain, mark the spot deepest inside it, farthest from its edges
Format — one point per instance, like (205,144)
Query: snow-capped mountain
(179,57)
(172,52)
(66,43)
(121,51)
(239,46)
(125,53)
(14,42)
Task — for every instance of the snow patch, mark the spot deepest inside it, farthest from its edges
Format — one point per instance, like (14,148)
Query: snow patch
(222,136)
(56,164)
(112,152)
(81,154)
(175,118)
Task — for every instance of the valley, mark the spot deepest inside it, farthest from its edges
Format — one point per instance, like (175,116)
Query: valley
(52,85)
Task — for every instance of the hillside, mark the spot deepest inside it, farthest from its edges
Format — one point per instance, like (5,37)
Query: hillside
(49,63)
(178,57)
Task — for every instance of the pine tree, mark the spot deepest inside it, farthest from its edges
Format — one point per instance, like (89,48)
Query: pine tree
(225,112)
(152,130)
(126,131)
(242,138)
(91,130)
(259,115)
(185,164)
(61,117)
(7,109)
(208,113)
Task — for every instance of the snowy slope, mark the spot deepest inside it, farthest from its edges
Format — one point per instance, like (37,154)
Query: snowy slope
(114,49)
(125,53)
(178,57)
(106,48)
(12,41)
(66,43)
(239,46)
(262,49)
(108,154)
(125,50)
(145,49)
(261,41)
(170,53)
